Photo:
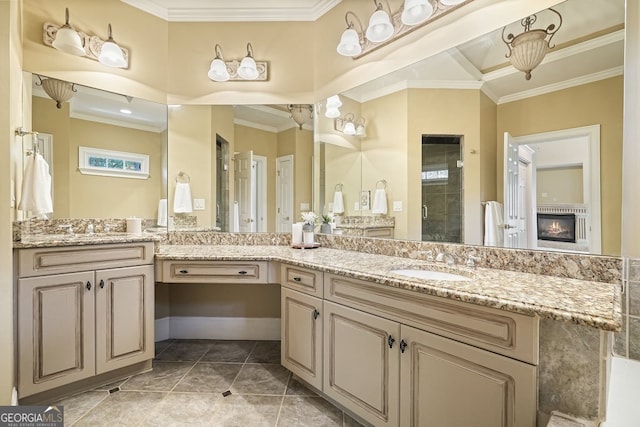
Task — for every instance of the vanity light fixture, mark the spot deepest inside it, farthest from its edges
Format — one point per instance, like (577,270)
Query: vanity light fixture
(300,113)
(111,54)
(246,69)
(528,49)
(333,107)
(350,125)
(58,90)
(67,39)
(386,26)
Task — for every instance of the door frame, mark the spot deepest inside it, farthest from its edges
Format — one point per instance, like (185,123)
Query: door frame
(261,192)
(279,159)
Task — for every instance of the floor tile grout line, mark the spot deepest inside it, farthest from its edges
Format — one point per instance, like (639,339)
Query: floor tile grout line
(282,400)
(90,409)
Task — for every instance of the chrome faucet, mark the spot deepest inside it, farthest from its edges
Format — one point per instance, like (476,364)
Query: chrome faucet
(446,258)
(472,259)
(68,228)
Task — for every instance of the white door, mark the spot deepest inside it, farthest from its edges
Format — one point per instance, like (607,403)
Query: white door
(514,234)
(284,193)
(244,180)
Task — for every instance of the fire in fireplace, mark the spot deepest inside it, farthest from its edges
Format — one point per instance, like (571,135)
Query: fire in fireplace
(557,227)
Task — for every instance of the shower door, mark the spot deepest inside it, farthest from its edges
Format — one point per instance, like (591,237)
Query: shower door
(441,188)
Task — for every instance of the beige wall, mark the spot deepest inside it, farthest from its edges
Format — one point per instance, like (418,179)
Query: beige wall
(10,119)
(559,185)
(342,165)
(89,196)
(594,103)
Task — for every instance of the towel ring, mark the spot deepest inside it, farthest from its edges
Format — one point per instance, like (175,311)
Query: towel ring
(338,187)
(183,177)
(384,184)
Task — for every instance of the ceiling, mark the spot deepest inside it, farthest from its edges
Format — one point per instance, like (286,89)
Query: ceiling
(235,10)
(589,47)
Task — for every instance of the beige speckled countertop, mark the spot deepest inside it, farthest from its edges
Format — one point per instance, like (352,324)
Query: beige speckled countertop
(52,240)
(583,302)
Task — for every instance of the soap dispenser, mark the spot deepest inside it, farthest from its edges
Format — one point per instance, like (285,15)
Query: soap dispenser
(90,228)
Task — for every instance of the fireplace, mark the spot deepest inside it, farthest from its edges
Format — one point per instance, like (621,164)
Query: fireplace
(557,227)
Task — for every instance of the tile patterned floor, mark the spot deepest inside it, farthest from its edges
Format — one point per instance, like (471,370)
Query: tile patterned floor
(186,385)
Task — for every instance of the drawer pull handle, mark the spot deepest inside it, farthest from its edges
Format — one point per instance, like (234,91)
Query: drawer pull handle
(297,279)
(101,284)
(403,345)
(390,341)
(242,272)
(184,271)
(88,285)
(315,313)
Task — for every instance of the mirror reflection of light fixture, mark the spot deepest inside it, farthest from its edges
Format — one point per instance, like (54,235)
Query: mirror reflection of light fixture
(218,70)
(333,107)
(58,90)
(300,113)
(528,49)
(386,26)
(248,68)
(67,39)
(111,54)
(350,125)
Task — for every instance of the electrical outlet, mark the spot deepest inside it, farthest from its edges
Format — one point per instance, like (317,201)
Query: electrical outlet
(356,206)
(397,205)
(198,204)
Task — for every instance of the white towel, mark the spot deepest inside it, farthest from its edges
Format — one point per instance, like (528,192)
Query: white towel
(338,203)
(236,218)
(493,224)
(162,213)
(36,187)
(182,198)
(379,201)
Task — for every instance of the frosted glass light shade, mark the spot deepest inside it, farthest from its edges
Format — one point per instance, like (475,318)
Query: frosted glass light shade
(332,113)
(248,69)
(68,40)
(416,11)
(349,43)
(349,128)
(380,27)
(112,55)
(334,102)
(451,2)
(218,71)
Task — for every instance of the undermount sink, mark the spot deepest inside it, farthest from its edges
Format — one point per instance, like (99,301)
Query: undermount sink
(431,275)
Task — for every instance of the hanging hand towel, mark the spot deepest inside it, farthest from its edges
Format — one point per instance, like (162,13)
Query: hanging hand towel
(338,203)
(162,213)
(379,202)
(493,223)
(236,218)
(182,198)
(36,187)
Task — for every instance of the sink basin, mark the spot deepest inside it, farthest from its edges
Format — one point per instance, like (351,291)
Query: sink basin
(431,275)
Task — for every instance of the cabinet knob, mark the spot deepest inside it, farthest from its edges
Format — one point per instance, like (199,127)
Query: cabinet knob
(88,285)
(184,271)
(101,284)
(390,341)
(316,313)
(297,279)
(242,272)
(403,346)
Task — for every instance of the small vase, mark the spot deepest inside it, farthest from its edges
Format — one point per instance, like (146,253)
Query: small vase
(325,228)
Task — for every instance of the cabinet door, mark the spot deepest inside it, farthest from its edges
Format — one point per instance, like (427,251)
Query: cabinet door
(124,317)
(55,331)
(447,383)
(301,331)
(361,363)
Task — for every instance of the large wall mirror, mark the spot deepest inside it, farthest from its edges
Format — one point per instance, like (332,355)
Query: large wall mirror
(106,151)
(435,135)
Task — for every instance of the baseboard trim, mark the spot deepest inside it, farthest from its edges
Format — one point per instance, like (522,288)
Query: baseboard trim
(218,328)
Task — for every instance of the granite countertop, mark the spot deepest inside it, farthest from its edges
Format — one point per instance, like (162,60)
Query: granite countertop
(81,239)
(593,304)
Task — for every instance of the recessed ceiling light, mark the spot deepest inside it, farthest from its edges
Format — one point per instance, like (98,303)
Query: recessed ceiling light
(125,111)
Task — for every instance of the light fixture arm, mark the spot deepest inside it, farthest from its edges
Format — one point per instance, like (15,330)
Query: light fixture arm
(379,6)
(350,23)
(110,35)
(218,51)
(249,50)
(66,18)
(526,23)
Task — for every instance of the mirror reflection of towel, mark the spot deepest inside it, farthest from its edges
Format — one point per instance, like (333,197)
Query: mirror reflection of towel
(338,203)
(36,187)
(182,198)
(162,213)
(493,223)
(379,201)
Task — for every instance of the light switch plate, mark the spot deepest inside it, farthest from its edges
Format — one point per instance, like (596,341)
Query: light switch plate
(356,206)
(304,206)
(397,205)
(198,204)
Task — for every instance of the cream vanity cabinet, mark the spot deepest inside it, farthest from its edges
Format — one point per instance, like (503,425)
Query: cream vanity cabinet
(82,311)
(401,358)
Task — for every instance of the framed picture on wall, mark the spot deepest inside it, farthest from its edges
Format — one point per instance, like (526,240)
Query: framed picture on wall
(96,161)
(365,200)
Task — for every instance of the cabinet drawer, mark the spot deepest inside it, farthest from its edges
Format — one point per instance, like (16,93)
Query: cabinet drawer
(511,334)
(302,279)
(215,272)
(40,261)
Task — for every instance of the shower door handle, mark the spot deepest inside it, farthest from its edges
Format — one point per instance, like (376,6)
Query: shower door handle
(424,211)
